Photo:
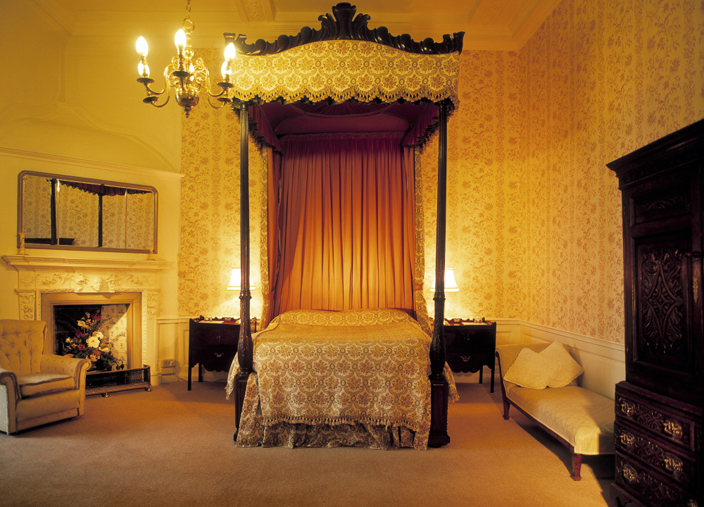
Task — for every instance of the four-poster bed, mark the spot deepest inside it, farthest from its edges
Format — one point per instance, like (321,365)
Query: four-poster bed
(353,82)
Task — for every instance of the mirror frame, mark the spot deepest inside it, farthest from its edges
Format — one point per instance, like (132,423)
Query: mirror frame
(20,223)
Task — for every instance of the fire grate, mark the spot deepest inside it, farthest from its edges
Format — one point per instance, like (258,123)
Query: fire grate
(106,382)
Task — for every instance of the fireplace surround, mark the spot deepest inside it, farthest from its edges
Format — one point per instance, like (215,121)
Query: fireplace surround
(44,282)
(51,302)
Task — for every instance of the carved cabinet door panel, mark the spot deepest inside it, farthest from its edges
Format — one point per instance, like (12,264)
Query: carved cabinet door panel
(662,219)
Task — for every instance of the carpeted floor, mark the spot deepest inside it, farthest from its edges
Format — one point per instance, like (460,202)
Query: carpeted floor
(172,447)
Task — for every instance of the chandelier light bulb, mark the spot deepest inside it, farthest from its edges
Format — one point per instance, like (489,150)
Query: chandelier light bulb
(225,70)
(142,47)
(180,39)
(230,52)
(143,70)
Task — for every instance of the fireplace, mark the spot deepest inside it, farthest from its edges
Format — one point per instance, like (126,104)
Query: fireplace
(44,282)
(120,316)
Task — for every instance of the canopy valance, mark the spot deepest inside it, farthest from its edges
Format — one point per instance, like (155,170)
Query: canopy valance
(341,70)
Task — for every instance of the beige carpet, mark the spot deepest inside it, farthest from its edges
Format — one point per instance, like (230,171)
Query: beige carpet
(172,447)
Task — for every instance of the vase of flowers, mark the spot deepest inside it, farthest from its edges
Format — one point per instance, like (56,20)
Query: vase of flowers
(90,343)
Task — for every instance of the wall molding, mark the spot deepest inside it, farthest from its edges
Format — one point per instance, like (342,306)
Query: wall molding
(88,164)
(604,362)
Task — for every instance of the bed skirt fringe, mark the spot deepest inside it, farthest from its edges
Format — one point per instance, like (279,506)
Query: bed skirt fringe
(255,432)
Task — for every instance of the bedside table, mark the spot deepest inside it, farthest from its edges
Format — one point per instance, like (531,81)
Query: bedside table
(469,346)
(211,344)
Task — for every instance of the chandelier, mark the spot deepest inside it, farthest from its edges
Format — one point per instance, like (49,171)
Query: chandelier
(186,74)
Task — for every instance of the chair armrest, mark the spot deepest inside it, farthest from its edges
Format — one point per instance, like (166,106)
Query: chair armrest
(9,380)
(73,366)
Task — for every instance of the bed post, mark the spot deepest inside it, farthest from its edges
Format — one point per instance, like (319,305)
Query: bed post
(439,388)
(244,344)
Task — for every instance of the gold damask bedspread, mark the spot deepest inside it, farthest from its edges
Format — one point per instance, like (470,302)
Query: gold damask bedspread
(355,371)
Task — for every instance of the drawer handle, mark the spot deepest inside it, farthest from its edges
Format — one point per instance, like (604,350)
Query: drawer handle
(627,439)
(219,354)
(628,408)
(465,358)
(673,465)
(629,474)
(673,429)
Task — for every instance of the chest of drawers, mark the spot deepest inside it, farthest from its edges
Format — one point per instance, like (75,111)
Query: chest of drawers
(211,345)
(658,440)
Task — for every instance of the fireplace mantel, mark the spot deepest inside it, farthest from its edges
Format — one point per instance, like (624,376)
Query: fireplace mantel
(20,262)
(38,275)
(47,275)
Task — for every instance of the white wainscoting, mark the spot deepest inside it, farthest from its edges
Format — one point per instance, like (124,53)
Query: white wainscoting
(604,362)
(173,346)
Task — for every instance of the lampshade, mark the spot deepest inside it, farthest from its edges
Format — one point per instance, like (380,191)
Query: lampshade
(450,283)
(235,282)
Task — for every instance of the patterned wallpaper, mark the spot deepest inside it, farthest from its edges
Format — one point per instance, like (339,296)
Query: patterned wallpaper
(485,209)
(534,221)
(601,79)
(210,211)
(534,215)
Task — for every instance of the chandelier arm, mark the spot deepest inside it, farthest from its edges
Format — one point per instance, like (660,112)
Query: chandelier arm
(223,90)
(222,101)
(153,102)
(151,92)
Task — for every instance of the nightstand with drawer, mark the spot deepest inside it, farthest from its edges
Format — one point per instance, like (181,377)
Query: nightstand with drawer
(212,345)
(469,346)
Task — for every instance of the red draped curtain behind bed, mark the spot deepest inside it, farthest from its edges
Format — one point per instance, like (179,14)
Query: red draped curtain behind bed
(341,223)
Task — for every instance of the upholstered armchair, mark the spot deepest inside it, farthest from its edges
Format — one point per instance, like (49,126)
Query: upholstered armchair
(36,387)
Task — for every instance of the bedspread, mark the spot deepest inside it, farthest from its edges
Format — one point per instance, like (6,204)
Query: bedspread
(363,368)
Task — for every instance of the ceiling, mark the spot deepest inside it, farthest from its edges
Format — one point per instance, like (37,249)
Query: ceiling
(488,24)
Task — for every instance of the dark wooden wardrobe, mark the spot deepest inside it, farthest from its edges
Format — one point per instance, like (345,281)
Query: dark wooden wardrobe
(658,427)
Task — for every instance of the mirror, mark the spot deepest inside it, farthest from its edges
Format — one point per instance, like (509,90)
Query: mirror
(67,212)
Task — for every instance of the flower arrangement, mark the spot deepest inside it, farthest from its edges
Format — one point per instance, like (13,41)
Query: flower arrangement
(90,343)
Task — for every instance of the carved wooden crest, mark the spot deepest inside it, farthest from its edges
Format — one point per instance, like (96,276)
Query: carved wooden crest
(344,25)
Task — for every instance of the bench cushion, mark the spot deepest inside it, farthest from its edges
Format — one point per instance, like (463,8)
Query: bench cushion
(40,384)
(582,417)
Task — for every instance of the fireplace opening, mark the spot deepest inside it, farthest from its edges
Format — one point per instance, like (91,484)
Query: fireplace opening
(94,332)
(104,328)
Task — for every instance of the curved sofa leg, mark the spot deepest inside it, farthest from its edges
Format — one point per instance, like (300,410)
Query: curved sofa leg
(576,466)
(507,406)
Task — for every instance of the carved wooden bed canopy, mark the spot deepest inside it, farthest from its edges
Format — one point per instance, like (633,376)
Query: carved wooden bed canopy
(305,83)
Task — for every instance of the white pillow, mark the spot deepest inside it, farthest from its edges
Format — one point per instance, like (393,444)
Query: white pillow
(531,370)
(567,368)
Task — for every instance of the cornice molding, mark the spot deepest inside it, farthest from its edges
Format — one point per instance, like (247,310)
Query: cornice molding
(89,164)
(259,19)
(57,15)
